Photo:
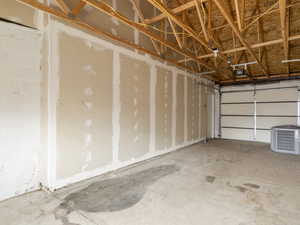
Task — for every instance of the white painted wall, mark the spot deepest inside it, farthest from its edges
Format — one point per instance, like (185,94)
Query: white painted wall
(20,109)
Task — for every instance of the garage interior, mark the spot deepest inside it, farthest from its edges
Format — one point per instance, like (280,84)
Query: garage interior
(164,112)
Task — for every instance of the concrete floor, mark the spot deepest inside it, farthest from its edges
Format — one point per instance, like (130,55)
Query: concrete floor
(220,183)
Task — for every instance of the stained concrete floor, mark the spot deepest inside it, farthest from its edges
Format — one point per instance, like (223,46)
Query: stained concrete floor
(220,183)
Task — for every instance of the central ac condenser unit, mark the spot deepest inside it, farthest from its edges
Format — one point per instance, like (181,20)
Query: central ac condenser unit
(286,139)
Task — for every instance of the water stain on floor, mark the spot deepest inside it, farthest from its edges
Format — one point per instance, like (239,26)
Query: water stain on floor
(113,194)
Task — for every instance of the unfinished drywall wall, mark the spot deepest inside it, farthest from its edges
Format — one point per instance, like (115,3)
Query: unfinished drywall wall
(20,109)
(99,106)
(210,112)
(84,106)
(204,111)
(112,107)
(193,109)
(163,109)
(135,108)
(180,109)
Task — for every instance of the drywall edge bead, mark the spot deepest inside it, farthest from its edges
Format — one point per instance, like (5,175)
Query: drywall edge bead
(174,106)
(53,89)
(185,109)
(116,106)
(153,80)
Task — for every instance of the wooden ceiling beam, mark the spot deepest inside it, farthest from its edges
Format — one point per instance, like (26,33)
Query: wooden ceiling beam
(191,4)
(201,19)
(238,13)
(63,6)
(254,21)
(186,28)
(176,20)
(238,34)
(78,8)
(173,27)
(263,55)
(107,9)
(258,45)
(175,33)
(176,10)
(37,5)
(284,29)
(139,13)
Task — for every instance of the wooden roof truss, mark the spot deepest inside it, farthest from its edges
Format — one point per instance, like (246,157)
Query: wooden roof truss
(197,31)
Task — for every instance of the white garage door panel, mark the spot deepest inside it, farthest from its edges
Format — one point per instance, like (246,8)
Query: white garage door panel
(237,134)
(238,97)
(287,109)
(289,94)
(270,107)
(238,121)
(237,109)
(269,122)
(263,136)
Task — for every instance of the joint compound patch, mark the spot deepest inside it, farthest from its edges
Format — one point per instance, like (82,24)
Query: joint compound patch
(88,123)
(88,157)
(88,92)
(87,140)
(89,69)
(88,105)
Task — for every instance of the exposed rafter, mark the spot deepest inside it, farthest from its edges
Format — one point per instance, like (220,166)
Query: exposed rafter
(175,33)
(138,11)
(201,19)
(238,34)
(188,29)
(63,6)
(195,31)
(78,8)
(284,28)
(239,8)
(104,7)
(169,14)
(173,27)
(191,4)
(254,21)
(177,10)
(258,45)
(37,5)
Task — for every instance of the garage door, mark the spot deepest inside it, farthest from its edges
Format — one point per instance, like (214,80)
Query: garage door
(237,115)
(250,114)
(275,107)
